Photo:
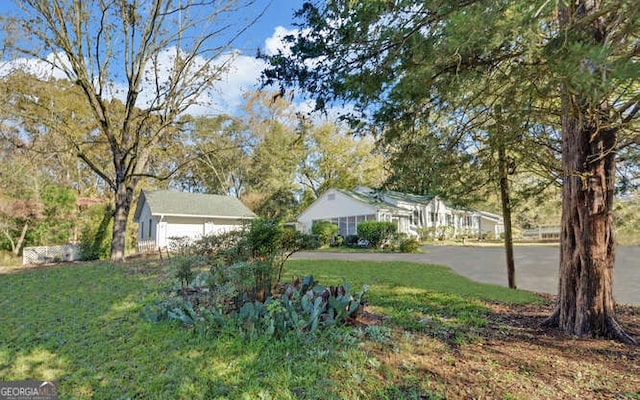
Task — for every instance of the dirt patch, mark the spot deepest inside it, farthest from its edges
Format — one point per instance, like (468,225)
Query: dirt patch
(515,358)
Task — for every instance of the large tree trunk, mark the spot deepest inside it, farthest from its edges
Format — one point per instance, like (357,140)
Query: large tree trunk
(123,200)
(585,301)
(587,249)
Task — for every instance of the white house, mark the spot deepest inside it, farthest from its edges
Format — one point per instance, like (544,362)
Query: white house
(162,215)
(347,208)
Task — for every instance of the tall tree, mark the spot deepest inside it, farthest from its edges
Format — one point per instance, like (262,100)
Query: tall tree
(160,57)
(219,147)
(274,148)
(581,58)
(336,157)
(599,96)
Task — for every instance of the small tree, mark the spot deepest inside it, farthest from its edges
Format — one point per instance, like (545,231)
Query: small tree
(377,232)
(258,253)
(16,216)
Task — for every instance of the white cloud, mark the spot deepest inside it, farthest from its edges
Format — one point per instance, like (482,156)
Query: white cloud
(226,95)
(243,76)
(43,69)
(276,43)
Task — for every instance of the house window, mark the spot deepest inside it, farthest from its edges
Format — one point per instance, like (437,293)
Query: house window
(351,226)
(150,223)
(141,229)
(331,196)
(342,226)
(432,217)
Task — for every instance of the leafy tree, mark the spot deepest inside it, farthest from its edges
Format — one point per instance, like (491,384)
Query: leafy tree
(220,147)
(95,240)
(578,59)
(59,213)
(16,216)
(335,157)
(275,144)
(159,57)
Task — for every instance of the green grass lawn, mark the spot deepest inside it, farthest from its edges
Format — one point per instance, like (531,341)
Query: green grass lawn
(80,325)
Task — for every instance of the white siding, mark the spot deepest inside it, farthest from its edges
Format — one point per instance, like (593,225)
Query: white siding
(143,224)
(194,228)
(333,204)
(218,226)
(182,228)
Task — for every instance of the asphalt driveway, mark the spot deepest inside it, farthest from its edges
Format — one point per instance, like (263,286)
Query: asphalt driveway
(536,266)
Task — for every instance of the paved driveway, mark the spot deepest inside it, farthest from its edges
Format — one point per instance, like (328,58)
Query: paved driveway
(536,266)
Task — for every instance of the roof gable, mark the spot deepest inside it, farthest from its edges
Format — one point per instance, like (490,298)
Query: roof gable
(165,202)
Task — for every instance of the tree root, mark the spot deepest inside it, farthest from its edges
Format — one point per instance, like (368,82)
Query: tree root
(614,329)
(616,332)
(553,320)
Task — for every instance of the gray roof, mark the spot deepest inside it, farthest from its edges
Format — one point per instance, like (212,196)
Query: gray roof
(370,200)
(407,197)
(165,202)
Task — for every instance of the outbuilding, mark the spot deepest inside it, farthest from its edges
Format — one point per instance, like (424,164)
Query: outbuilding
(162,215)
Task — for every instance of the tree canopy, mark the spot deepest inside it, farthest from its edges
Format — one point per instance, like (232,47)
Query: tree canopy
(136,67)
(547,72)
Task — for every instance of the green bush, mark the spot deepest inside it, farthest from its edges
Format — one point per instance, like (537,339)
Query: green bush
(325,231)
(410,245)
(376,232)
(337,241)
(426,233)
(95,236)
(183,268)
(239,288)
(248,262)
(351,240)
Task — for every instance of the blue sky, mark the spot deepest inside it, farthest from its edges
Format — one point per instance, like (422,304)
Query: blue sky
(244,74)
(279,13)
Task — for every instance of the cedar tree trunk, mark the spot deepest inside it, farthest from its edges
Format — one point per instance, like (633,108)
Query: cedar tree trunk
(587,245)
(587,249)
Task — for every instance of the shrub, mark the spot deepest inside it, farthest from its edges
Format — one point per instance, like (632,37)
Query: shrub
(183,268)
(337,241)
(426,233)
(95,236)
(248,262)
(410,245)
(444,232)
(376,233)
(238,290)
(304,306)
(325,231)
(351,240)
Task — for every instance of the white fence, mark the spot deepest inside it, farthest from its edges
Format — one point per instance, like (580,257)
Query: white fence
(147,246)
(47,254)
(542,232)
